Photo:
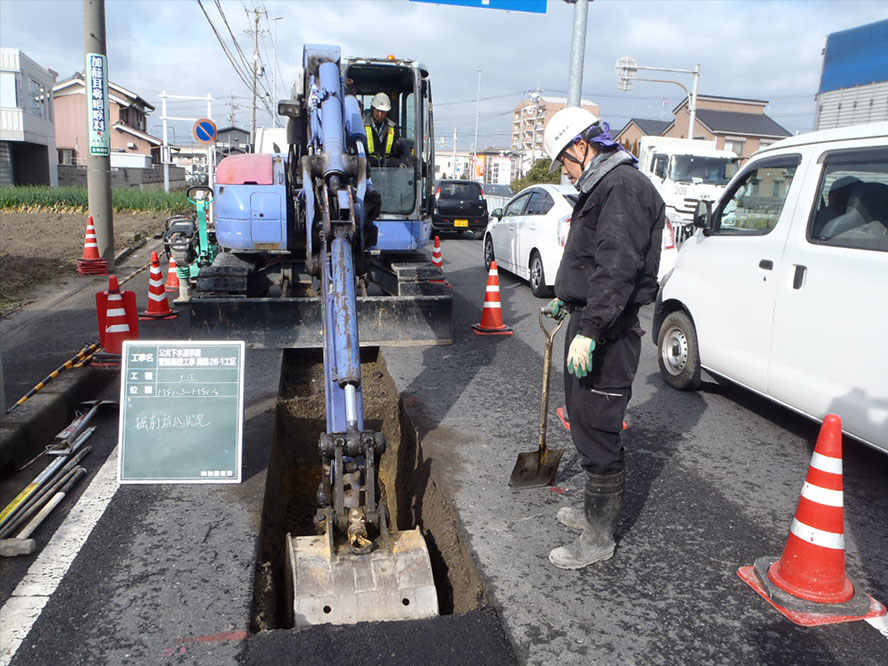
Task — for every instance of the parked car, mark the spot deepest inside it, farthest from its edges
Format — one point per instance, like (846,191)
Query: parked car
(527,235)
(459,206)
(497,195)
(782,289)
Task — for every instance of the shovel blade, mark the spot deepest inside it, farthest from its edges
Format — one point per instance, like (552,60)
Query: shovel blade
(534,470)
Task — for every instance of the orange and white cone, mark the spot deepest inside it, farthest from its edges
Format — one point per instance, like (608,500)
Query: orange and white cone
(438,261)
(172,283)
(117,328)
(158,305)
(91,263)
(808,583)
(437,256)
(492,312)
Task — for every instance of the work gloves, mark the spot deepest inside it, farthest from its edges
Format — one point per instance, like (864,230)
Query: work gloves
(579,356)
(555,309)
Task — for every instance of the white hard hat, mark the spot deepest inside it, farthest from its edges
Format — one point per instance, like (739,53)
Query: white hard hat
(563,128)
(382,102)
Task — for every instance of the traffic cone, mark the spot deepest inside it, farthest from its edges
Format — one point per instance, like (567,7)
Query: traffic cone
(172,283)
(117,318)
(158,305)
(437,257)
(91,263)
(492,312)
(808,583)
(438,262)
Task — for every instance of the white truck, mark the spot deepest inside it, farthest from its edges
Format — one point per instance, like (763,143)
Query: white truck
(684,171)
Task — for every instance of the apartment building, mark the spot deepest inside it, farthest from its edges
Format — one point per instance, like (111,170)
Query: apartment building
(27,129)
(528,122)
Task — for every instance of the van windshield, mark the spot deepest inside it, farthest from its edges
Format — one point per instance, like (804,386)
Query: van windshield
(697,169)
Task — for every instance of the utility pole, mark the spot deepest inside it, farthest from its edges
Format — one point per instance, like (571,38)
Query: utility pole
(274,57)
(453,161)
(577,52)
(98,160)
(232,107)
(477,114)
(255,31)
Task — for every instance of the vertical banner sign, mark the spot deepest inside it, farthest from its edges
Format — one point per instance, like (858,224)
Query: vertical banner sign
(181,412)
(97,104)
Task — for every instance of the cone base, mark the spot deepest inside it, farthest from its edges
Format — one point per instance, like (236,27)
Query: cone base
(145,316)
(478,329)
(803,612)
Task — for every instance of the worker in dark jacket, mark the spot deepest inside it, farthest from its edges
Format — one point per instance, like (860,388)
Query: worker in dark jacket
(608,271)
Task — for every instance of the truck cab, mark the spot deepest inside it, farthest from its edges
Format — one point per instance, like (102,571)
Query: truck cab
(685,172)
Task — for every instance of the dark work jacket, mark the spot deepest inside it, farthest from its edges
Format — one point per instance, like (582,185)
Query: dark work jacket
(612,255)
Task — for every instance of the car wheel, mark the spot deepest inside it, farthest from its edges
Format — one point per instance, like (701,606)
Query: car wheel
(488,251)
(679,355)
(538,277)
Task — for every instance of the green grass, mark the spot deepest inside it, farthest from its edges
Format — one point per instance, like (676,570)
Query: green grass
(74,200)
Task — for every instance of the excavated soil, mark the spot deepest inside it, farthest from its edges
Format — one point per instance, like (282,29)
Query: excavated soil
(406,475)
(41,248)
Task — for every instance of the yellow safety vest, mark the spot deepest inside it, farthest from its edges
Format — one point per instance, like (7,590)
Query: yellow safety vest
(371,144)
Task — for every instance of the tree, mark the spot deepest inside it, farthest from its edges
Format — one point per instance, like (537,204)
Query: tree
(539,173)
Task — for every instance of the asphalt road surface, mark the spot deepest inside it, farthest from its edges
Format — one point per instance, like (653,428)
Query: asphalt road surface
(713,479)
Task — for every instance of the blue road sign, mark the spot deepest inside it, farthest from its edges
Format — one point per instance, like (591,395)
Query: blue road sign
(532,6)
(205,131)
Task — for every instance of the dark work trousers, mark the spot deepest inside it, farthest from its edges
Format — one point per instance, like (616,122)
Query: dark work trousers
(596,404)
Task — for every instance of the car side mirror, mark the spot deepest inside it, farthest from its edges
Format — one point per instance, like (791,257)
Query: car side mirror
(497,213)
(703,215)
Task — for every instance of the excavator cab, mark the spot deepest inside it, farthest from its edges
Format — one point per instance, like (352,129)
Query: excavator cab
(403,174)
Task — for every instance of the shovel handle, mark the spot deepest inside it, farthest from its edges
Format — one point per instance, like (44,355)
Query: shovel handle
(547,371)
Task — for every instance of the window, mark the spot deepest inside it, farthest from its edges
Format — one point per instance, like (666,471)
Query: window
(540,203)
(852,207)
(517,205)
(737,145)
(660,162)
(9,97)
(755,203)
(38,97)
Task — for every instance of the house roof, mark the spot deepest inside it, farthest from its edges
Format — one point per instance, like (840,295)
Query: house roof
(129,130)
(717,98)
(734,122)
(124,97)
(232,128)
(648,126)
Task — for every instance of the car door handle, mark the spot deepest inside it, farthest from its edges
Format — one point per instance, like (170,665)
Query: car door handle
(798,278)
(766,264)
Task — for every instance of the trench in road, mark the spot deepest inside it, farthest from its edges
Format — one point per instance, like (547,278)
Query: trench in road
(409,479)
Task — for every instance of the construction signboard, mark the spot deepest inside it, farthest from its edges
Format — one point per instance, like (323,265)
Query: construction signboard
(181,412)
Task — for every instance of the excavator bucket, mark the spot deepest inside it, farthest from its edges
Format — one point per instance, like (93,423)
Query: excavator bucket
(391,582)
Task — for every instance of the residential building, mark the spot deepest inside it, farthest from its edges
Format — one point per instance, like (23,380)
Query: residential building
(27,130)
(854,81)
(452,165)
(128,116)
(232,140)
(736,124)
(528,122)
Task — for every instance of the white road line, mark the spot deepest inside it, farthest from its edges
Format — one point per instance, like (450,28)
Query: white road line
(880,624)
(22,609)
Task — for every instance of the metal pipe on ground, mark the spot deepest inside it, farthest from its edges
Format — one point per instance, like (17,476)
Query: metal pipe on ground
(34,503)
(22,544)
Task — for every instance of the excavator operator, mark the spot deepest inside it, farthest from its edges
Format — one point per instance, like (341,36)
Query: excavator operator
(382,132)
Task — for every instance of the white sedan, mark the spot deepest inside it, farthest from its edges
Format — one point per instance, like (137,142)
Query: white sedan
(527,236)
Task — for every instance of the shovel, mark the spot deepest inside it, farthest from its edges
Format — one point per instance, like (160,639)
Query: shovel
(535,469)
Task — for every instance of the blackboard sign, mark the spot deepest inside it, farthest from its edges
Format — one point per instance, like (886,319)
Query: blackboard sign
(181,412)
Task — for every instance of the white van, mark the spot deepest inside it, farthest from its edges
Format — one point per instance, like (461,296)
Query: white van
(783,288)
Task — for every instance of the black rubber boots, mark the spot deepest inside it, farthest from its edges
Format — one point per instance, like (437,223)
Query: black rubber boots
(601,513)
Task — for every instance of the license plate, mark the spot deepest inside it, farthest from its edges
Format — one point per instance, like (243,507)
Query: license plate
(460,223)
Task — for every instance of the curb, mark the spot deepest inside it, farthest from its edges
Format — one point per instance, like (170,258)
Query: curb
(25,432)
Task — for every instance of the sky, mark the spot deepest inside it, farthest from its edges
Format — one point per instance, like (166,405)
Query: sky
(754,49)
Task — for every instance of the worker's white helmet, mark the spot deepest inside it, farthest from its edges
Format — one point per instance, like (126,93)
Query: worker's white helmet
(382,102)
(561,130)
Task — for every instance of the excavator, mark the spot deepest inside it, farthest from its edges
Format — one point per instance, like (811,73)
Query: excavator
(320,245)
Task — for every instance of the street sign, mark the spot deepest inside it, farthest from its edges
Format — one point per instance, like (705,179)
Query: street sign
(181,412)
(205,131)
(626,67)
(98,119)
(532,6)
